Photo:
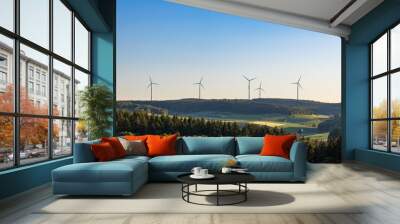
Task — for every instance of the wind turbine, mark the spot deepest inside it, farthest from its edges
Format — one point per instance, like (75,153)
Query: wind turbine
(298,85)
(151,84)
(200,85)
(260,90)
(249,80)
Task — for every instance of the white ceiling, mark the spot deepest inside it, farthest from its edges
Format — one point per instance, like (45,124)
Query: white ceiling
(321,9)
(324,16)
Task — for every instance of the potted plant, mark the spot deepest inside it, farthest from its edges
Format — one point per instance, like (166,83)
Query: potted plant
(96,102)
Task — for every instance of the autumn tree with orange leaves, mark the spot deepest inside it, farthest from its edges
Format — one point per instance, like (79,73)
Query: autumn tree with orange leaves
(33,131)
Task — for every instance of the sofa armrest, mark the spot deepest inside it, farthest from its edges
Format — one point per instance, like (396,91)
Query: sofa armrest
(298,155)
(83,152)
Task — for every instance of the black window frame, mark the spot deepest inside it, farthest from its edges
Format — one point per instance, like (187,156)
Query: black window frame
(388,74)
(16,114)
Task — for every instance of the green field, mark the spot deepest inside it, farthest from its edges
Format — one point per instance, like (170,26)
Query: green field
(290,123)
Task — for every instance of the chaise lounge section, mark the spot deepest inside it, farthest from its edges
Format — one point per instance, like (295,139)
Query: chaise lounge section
(125,176)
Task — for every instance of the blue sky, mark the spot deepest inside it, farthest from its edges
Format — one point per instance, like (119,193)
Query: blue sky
(177,45)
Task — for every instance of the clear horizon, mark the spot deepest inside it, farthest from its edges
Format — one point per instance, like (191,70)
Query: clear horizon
(176,45)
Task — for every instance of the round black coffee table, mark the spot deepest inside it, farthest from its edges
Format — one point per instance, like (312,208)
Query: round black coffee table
(238,179)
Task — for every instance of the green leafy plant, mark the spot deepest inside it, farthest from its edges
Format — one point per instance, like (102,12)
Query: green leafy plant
(97,102)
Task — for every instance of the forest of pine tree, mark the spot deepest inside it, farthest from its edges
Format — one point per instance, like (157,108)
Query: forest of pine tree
(141,122)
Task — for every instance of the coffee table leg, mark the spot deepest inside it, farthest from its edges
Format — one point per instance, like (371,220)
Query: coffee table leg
(195,188)
(217,194)
(245,193)
(188,189)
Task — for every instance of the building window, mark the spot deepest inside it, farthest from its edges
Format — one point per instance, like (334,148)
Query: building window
(55,126)
(3,78)
(30,87)
(31,76)
(44,91)
(3,72)
(385,94)
(38,89)
(37,75)
(3,61)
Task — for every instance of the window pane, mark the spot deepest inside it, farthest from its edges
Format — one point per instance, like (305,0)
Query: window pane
(379,55)
(62,138)
(62,89)
(7,14)
(62,29)
(33,140)
(379,135)
(81,45)
(35,21)
(395,136)
(6,74)
(81,82)
(81,131)
(6,142)
(34,97)
(395,47)
(395,95)
(379,100)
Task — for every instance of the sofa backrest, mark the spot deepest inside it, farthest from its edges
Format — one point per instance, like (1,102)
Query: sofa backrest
(190,146)
(249,145)
(207,145)
(83,152)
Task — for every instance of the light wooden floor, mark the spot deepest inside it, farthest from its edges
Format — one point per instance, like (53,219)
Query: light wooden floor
(379,189)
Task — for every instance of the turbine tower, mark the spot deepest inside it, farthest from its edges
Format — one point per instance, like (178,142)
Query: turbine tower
(249,80)
(151,84)
(200,85)
(298,85)
(260,90)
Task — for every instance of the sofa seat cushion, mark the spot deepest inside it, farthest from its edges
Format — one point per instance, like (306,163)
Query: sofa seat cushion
(133,157)
(257,163)
(112,171)
(185,163)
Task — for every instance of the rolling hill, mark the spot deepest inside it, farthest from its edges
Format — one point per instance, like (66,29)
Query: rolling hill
(233,106)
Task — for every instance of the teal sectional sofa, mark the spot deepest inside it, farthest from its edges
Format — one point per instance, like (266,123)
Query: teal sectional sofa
(125,176)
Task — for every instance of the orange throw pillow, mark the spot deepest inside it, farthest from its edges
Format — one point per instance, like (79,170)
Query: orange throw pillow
(116,145)
(103,152)
(277,145)
(161,145)
(142,138)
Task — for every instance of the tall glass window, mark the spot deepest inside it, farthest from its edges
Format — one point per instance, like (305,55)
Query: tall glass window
(7,14)
(385,94)
(39,81)
(62,29)
(6,74)
(81,45)
(35,21)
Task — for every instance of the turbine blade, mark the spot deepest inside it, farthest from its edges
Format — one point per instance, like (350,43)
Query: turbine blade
(246,78)
(202,86)
(299,79)
(154,83)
